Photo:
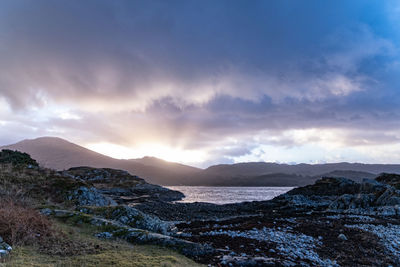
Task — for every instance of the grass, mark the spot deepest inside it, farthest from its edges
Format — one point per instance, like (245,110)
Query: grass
(108,253)
(120,255)
(39,241)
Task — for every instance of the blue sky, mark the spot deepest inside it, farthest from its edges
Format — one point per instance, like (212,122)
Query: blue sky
(205,82)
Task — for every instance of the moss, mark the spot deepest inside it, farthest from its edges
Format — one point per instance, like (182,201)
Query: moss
(106,211)
(79,218)
(108,228)
(121,233)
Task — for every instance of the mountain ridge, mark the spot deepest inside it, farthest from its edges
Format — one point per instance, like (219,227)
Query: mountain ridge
(58,153)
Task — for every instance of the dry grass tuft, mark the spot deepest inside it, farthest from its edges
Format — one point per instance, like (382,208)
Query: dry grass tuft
(21,224)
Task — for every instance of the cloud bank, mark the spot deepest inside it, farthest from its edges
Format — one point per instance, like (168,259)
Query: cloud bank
(238,80)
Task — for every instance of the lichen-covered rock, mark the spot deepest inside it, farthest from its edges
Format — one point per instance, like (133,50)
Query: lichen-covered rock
(132,217)
(390,179)
(183,246)
(343,195)
(84,196)
(117,229)
(121,185)
(5,248)
(301,202)
(104,175)
(104,235)
(372,197)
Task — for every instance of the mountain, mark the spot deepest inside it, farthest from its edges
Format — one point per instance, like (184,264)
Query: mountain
(57,153)
(254,168)
(60,154)
(274,174)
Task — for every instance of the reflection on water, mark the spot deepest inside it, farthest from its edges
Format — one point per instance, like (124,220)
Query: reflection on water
(224,195)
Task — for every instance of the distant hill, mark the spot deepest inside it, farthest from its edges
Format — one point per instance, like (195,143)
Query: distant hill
(60,154)
(354,175)
(253,168)
(57,153)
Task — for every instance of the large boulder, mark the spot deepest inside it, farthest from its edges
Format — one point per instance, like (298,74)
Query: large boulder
(132,217)
(84,196)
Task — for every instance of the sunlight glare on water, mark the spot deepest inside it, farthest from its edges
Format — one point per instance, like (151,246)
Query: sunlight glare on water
(225,195)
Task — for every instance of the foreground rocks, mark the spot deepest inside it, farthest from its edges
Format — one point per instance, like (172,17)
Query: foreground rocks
(334,222)
(122,187)
(109,228)
(5,248)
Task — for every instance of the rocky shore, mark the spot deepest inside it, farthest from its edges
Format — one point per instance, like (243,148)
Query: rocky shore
(334,222)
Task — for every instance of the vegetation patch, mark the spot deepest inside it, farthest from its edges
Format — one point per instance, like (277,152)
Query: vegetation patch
(116,255)
(22,225)
(16,157)
(98,252)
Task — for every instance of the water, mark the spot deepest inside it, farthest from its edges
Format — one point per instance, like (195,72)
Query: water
(224,195)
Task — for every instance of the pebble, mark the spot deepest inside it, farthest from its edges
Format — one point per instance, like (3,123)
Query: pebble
(342,237)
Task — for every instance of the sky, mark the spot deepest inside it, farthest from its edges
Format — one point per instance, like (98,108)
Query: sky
(205,82)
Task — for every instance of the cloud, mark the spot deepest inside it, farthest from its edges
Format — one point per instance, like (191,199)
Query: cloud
(200,74)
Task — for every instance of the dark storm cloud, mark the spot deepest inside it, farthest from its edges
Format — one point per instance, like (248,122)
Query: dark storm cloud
(96,49)
(194,72)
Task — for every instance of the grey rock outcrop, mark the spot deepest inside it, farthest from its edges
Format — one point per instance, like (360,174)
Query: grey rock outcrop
(84,196)
(5,248)
(131,217)
(121,186)
(344,195)
(133,235)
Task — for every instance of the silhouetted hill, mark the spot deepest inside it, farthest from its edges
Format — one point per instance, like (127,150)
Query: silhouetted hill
(60,154)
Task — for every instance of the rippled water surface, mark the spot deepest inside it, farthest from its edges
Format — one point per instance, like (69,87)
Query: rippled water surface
(224,195)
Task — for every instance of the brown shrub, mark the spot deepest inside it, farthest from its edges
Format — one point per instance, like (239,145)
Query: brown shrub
(21,224)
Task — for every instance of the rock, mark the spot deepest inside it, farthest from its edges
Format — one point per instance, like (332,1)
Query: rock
(104,235)
(5,248)
(135,235)
(84,196)
(103,175)
(390,179)
(344,195)
(327,186)
(342,237)
(132,217)
(122,186)
(158,192)
(46,211)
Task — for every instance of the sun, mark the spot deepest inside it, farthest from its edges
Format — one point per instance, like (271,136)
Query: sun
(164,152)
